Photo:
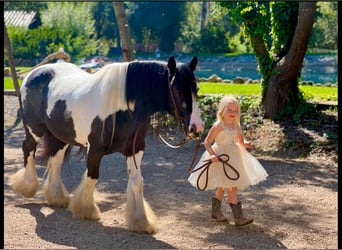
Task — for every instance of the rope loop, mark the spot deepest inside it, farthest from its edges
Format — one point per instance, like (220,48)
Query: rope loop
(223,158)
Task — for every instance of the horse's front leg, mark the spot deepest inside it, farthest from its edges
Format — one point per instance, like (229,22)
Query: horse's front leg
(139,215)
(82,203)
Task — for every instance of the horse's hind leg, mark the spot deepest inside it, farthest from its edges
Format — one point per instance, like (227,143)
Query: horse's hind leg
(139,215)
(55,192)
(25,181)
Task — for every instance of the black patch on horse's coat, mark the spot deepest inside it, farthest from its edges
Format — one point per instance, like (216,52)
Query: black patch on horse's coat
(102,138)
(36,96)
(61,124)
(101,134)
(39,77)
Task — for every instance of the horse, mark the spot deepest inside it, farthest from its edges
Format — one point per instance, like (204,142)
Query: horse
(105,112)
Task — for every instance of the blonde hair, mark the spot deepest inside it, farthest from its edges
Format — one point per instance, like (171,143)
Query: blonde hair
(225,101)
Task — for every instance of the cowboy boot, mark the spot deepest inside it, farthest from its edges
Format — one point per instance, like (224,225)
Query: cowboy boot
(216,210)
(238,215)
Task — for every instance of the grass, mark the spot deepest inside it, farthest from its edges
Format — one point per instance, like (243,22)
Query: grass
(311,92)
(226,88)
(319,93)
(8,83)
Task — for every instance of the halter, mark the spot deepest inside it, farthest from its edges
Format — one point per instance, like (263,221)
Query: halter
(177,116)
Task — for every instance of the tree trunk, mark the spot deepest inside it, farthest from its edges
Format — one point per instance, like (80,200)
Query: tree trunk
(125,37)
(284,84)
(205,14)
(11,61)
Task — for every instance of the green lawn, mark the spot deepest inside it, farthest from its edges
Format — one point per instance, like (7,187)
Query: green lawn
(311,92)
(316,93)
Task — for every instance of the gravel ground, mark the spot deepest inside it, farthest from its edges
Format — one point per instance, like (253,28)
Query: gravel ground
(296,207)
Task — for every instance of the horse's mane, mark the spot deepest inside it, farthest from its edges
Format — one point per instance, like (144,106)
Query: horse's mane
(147,83)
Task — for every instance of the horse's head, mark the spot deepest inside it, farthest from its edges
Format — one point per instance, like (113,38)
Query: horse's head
(183,93)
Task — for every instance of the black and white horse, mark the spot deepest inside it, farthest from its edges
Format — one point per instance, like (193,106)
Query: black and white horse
(105,112)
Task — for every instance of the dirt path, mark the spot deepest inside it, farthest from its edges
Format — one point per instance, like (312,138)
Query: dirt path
(295,208)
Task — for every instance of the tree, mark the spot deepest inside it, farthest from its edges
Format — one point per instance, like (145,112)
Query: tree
(158,21)
(324,32)
(106,27)
(125,37)
(279,55)
(283,85)
(71,26)
(28,5)
(205,14)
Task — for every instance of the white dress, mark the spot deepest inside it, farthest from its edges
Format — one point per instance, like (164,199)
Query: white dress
(250,171)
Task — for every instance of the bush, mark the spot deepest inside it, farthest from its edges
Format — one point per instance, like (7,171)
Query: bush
(250,108)
(67,25)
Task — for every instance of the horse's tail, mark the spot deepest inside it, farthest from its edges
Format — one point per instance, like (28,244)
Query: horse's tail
(19,112)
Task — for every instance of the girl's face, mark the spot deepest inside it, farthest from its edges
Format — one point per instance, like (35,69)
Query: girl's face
(230,113)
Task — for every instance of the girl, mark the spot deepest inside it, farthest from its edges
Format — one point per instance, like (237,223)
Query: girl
(226,132)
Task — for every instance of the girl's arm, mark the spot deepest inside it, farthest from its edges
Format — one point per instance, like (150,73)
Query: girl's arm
(213,132)
(240,140)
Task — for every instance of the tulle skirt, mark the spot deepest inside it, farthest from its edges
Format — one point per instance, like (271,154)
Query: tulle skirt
(249,170)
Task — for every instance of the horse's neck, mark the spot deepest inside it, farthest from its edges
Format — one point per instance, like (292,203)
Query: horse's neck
(109,83)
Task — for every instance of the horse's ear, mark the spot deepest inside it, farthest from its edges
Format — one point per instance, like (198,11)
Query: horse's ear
(171,64)
(193,63)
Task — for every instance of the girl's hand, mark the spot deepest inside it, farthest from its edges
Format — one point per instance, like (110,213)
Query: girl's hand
(214,158)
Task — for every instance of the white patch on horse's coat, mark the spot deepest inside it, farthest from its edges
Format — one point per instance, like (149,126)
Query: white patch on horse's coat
(196,116)
(35,137)
(55,191)
(82,203)
(90,95)
(139,215)
(25,181)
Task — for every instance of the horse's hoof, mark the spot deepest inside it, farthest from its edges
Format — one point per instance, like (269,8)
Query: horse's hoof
(143,228)
(61,202)
(24,183)
(85,213)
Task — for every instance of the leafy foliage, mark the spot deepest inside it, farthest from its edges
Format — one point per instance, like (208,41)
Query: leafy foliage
(250,108)
(215,37)
(325,29)
(63,22)
(165,30)
(68,20)
(165,23)
(28,5)
(284,18)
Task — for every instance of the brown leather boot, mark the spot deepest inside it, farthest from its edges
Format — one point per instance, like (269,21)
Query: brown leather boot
(216,210)
(238,215)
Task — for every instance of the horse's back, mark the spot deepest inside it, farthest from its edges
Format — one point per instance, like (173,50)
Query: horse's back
(44,76)
(65,98)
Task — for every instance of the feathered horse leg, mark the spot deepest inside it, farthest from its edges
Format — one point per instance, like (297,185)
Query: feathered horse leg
(139,215)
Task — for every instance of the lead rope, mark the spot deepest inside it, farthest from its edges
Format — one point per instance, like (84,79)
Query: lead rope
(206,166)
(197,148)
